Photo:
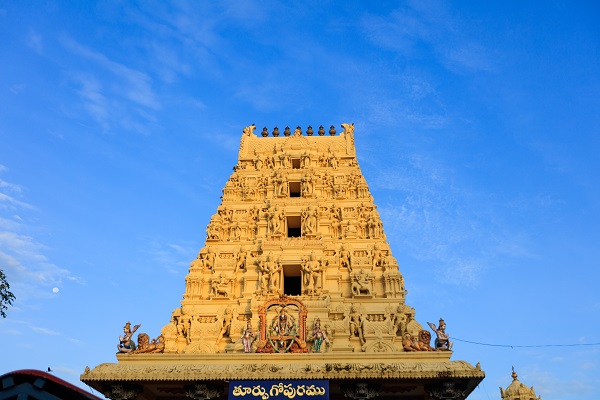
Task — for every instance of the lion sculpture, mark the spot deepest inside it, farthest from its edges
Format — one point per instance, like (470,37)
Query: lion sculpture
(146,346)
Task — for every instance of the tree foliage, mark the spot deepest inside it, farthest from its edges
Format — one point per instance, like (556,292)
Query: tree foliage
(6,296)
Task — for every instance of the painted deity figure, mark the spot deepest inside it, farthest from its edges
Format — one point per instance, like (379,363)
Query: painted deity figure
(319,336)
(283,330)
(247,338)
(442,342)
(126,344)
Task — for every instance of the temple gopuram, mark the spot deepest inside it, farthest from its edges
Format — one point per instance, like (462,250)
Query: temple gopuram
(295,294)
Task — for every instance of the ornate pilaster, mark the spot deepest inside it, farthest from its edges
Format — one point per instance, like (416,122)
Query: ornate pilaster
(361,391)
(121,391)
(203,392)
(446,391)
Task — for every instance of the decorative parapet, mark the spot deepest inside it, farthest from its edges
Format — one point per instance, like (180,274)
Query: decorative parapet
(207,367)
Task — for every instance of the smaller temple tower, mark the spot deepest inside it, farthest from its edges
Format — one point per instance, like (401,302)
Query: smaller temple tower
(517,391)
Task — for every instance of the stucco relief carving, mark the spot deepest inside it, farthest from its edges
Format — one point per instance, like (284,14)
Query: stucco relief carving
(362,283)
(312,278)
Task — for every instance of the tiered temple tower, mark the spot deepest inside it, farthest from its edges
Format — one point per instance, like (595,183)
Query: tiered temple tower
(518,391)
(296,285)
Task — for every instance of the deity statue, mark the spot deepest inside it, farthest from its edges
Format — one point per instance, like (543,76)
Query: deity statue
(318,336)
(345,258)
(276,221)
(269,279)
(442,342)
(213,230)
(332,159)
(356,324)
(126,344)
(248,337)
(210,259)
(240,260)
(309,221)
(225,324)
(376,255)
(252,222)
(220,286)
(283,331)
(399,321)
(336,222)
(236,232)
(311,275)
(305,161)
(362,284)
(306,186)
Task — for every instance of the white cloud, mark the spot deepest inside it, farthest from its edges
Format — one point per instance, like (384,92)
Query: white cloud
(137,85)
(34,41)
(437,220)
(45,331)
(111,93)
(22,257)
(429,28)
(175,258)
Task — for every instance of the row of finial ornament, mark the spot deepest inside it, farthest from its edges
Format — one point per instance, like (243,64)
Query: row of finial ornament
(298,131)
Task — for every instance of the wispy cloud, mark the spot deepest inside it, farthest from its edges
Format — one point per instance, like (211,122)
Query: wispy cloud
(175,258)
(45,331)
(136,84)
(22,257)
(34,41)
(435,219)
(423,29)
(113,94)
(32,327)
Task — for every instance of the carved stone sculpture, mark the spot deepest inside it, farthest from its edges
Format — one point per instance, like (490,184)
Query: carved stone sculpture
(362,284)
(220,285)
(225,324)
(311,274)
(356,324)
(345,258)
(240,260)
(270,271)
(309,221)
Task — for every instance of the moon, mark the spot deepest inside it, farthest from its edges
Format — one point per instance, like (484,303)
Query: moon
(55,290)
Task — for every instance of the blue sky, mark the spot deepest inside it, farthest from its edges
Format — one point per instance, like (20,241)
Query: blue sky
(476,128)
